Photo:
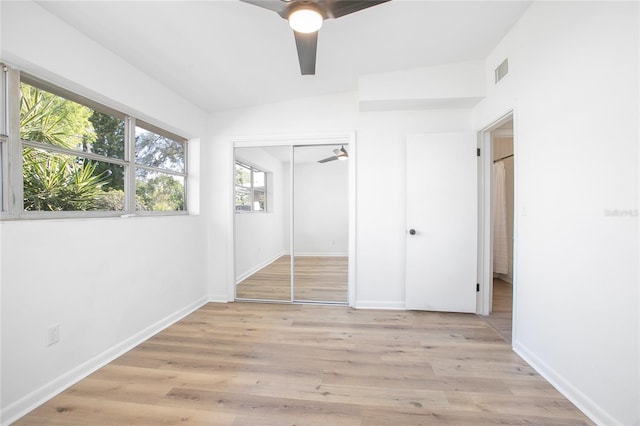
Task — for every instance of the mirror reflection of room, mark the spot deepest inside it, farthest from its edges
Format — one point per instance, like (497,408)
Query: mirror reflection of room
(266,201)
(321,223)
(262,265)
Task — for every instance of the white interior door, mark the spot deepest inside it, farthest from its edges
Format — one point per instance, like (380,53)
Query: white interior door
(441,222)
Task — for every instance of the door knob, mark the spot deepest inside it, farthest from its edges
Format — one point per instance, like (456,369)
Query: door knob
(412,231)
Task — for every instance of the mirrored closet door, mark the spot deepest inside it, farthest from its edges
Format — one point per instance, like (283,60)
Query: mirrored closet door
(321,223)
(291,199)
(262,223)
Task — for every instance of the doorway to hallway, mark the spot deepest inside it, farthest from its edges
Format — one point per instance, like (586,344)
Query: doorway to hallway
(496,254)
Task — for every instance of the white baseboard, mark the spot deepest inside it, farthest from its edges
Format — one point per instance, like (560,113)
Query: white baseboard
(380,304)
(585,404)
(14,411)
(308,254)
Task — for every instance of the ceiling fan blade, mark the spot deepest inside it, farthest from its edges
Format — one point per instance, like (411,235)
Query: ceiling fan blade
(277,6)
(337,8)
(307,45)
(326,160)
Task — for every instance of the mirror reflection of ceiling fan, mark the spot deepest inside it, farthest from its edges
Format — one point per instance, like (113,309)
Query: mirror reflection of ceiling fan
(305,18)
(340,154)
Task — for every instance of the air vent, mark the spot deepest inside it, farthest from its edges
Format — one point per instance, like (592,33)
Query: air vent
(502,70)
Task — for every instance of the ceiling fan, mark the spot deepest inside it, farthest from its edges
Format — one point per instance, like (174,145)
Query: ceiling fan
(340,154)
(305,18)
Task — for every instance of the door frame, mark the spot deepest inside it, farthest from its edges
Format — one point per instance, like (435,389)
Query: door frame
(485,252)
(291,140)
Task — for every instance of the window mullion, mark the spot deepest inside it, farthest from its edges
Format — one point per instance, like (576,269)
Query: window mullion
(4,138)
(14,200)
(73,153)
(3,98)
(252,190)
(160,170)
(186,177)
(130,157)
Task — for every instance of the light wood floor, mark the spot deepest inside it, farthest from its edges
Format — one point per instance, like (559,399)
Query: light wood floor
(500,318)
(320,279)
(283,364)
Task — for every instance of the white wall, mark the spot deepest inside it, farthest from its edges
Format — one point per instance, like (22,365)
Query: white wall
(573,82)
(457,85)
(380,180)
(321,208)
(259,237)
(108,283)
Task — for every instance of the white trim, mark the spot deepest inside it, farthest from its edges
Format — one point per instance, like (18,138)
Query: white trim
(24,405)
(485,258)
(585,404)
(353,223)
(291,247)
(294,139)
(231,227)
(381,304)
(218,298)
(310,254)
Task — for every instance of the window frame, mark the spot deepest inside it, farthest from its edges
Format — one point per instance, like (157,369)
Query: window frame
(4,135)
(251,188)
(11,148)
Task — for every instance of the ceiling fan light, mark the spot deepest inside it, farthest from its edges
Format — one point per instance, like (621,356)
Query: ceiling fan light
(305,20)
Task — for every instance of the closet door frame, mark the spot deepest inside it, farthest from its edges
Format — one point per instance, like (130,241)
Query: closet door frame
(345,138)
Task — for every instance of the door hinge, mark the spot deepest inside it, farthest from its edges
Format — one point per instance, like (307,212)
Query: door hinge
(477,286)
(478,152)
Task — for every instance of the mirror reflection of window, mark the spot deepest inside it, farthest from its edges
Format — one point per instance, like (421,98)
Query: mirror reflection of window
(259,188)
(250,188)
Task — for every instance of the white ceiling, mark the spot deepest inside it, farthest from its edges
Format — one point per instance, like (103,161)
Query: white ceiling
(228,54)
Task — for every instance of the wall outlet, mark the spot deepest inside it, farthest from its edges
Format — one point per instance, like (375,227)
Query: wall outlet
(53,334)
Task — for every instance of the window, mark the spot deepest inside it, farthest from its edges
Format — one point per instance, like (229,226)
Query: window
(80,156)
(251,189)
(160,171)
(72,154)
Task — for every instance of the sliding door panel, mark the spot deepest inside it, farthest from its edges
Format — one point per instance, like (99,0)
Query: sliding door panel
(320,223)
(262,223)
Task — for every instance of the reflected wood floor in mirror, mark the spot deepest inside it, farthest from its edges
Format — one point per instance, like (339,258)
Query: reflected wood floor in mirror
(281,364)
(317,278)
